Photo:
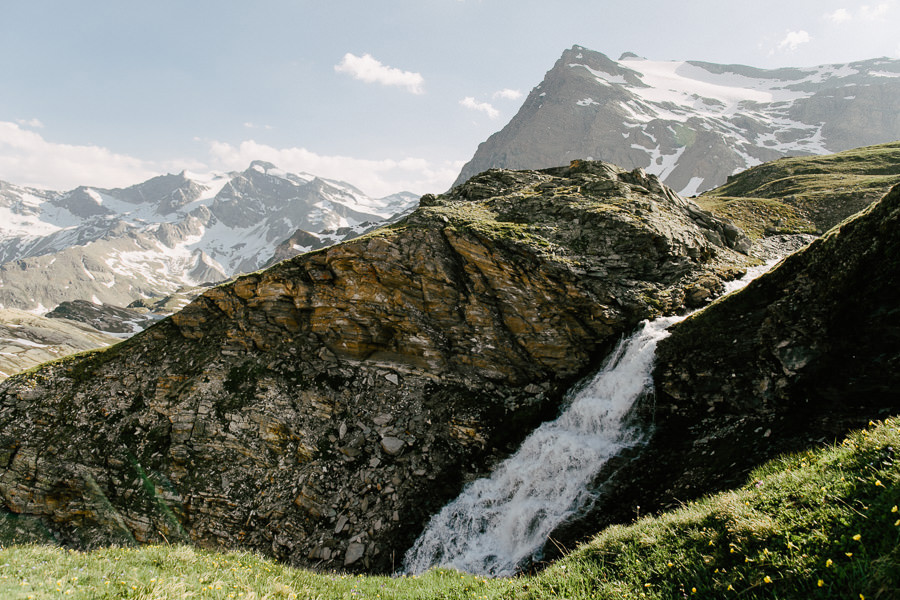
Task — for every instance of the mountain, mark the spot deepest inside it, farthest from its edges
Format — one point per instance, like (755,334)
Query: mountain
(321,410)
(119,245)
(693,123)
(27,340)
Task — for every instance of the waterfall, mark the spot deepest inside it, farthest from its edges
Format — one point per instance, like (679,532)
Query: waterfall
(500,521)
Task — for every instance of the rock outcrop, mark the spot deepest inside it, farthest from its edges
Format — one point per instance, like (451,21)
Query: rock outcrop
(321,410)
(795,360)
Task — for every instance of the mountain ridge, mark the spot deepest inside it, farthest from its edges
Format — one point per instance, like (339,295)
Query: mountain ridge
(172,231)
(693,123)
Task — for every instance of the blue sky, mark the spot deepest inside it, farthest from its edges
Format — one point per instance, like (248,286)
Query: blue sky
(385,95)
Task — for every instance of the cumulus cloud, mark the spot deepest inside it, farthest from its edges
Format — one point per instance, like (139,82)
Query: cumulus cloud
(485,107)
(26,158)
(374,177)
(367,68)
(841,15)
(507,94)
(794,39)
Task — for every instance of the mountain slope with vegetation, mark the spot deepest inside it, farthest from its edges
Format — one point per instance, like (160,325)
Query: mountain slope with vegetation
(819,524)
(809,194)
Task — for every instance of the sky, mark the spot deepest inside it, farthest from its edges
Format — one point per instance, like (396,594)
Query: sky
(386,95)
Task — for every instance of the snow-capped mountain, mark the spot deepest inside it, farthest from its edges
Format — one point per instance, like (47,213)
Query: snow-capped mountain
(119,245)
(693,123)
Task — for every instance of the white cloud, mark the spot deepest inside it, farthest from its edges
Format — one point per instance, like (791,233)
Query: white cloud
(841,15)
(374,177)
(472,104)
(874,13)
(34,123)
(507,94)
(368,69)
(866,13)
(794,39)
(26,158)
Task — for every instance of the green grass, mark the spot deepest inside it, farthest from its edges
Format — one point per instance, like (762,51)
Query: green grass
(758,217)
(808,193)
(821,524)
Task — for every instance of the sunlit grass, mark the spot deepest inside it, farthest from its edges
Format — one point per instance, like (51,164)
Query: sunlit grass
(822,524)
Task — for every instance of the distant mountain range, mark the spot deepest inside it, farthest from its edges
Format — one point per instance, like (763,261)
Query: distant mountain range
(693,123)
(115,246)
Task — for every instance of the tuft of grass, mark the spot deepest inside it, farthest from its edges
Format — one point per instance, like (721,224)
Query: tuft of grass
(819,524)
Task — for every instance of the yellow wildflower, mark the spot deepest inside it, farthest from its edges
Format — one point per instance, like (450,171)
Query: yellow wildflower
(894,509)
(829,562)
(767,579)
(821,583)
(857,537)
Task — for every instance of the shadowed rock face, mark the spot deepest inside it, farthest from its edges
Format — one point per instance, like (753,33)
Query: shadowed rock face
(796,359)
(321,410)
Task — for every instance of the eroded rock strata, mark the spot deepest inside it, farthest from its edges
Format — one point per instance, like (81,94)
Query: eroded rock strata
(321,410)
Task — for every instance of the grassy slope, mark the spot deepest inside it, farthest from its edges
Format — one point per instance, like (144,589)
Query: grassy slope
(822,524)
(805,194)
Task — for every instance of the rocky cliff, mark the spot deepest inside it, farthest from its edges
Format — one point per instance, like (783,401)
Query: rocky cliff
(693,123)
(795,360)
(321,410)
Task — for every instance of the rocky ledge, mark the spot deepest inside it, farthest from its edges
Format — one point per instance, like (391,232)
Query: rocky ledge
(321,410)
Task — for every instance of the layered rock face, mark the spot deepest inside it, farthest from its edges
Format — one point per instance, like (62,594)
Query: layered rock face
(321,410)
(799,357)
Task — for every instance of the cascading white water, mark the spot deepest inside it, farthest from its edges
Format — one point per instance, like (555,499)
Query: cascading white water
(499,521)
